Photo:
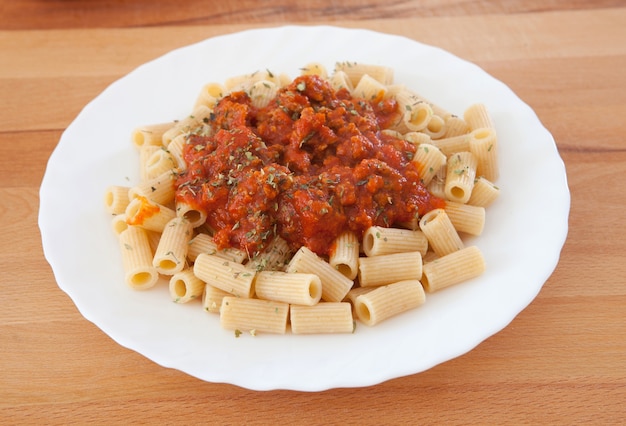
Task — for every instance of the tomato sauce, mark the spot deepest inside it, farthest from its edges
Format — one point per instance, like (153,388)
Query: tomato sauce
(306,167)
(145,211)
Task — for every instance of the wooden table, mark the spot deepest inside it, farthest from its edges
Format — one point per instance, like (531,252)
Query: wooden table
(561,361)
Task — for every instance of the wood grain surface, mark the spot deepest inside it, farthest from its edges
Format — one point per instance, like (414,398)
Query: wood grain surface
(561,361)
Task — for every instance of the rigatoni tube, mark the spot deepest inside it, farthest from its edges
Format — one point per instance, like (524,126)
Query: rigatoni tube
(460,174)
(453,268)
(184,286)
(380,270)
(428,159)
(254,315)
(325,317)
(378,240)
(484,192)
(116,199)
(137,259)
(212,298)
(389,300)
(484,146)
(231,277)
(147,214)
(344,255)
(171,253)
(159,189)
(442,236)
(296,288)
(466,218)
(335,285)
(203,243)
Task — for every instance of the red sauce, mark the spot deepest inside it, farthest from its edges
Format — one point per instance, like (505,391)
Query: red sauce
(306,167)
(145,211)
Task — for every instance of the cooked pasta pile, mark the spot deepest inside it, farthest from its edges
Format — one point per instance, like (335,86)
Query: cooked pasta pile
(308,204)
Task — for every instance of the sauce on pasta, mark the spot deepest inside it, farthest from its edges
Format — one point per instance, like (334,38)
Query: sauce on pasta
(309,165)
(145,211)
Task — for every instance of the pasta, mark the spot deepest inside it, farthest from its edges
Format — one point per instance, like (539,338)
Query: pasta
(325,317)
(118,223)
(466,217)
(175,148)
(452,144)
(389,300)
(231,277)
(137,258)
(344,256)
(159,189)
(341,80)
(378,240)
(145,152)
(484,193)
(203,243)
(150,135)
(437,186)
(275,257)
(335,285)
(453,268)
(253,315)
(477,117)
(147,214)
(262,92)
(269,207)
(153,240)
(195,119)
(416,114)
(116,199)
(455,126)
(245,81)
(385,269)
(355,70)
(442,236)
(210,94)
(159,162)
(417,138)
(171,253)
(484,146)
(436,127)
(370,88)
(193,214)
(212,298)
(460,176)
(314,68)
(429,160)
(184,286)
(294,288)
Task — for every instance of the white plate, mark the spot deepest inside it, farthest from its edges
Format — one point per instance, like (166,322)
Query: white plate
(525,230)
